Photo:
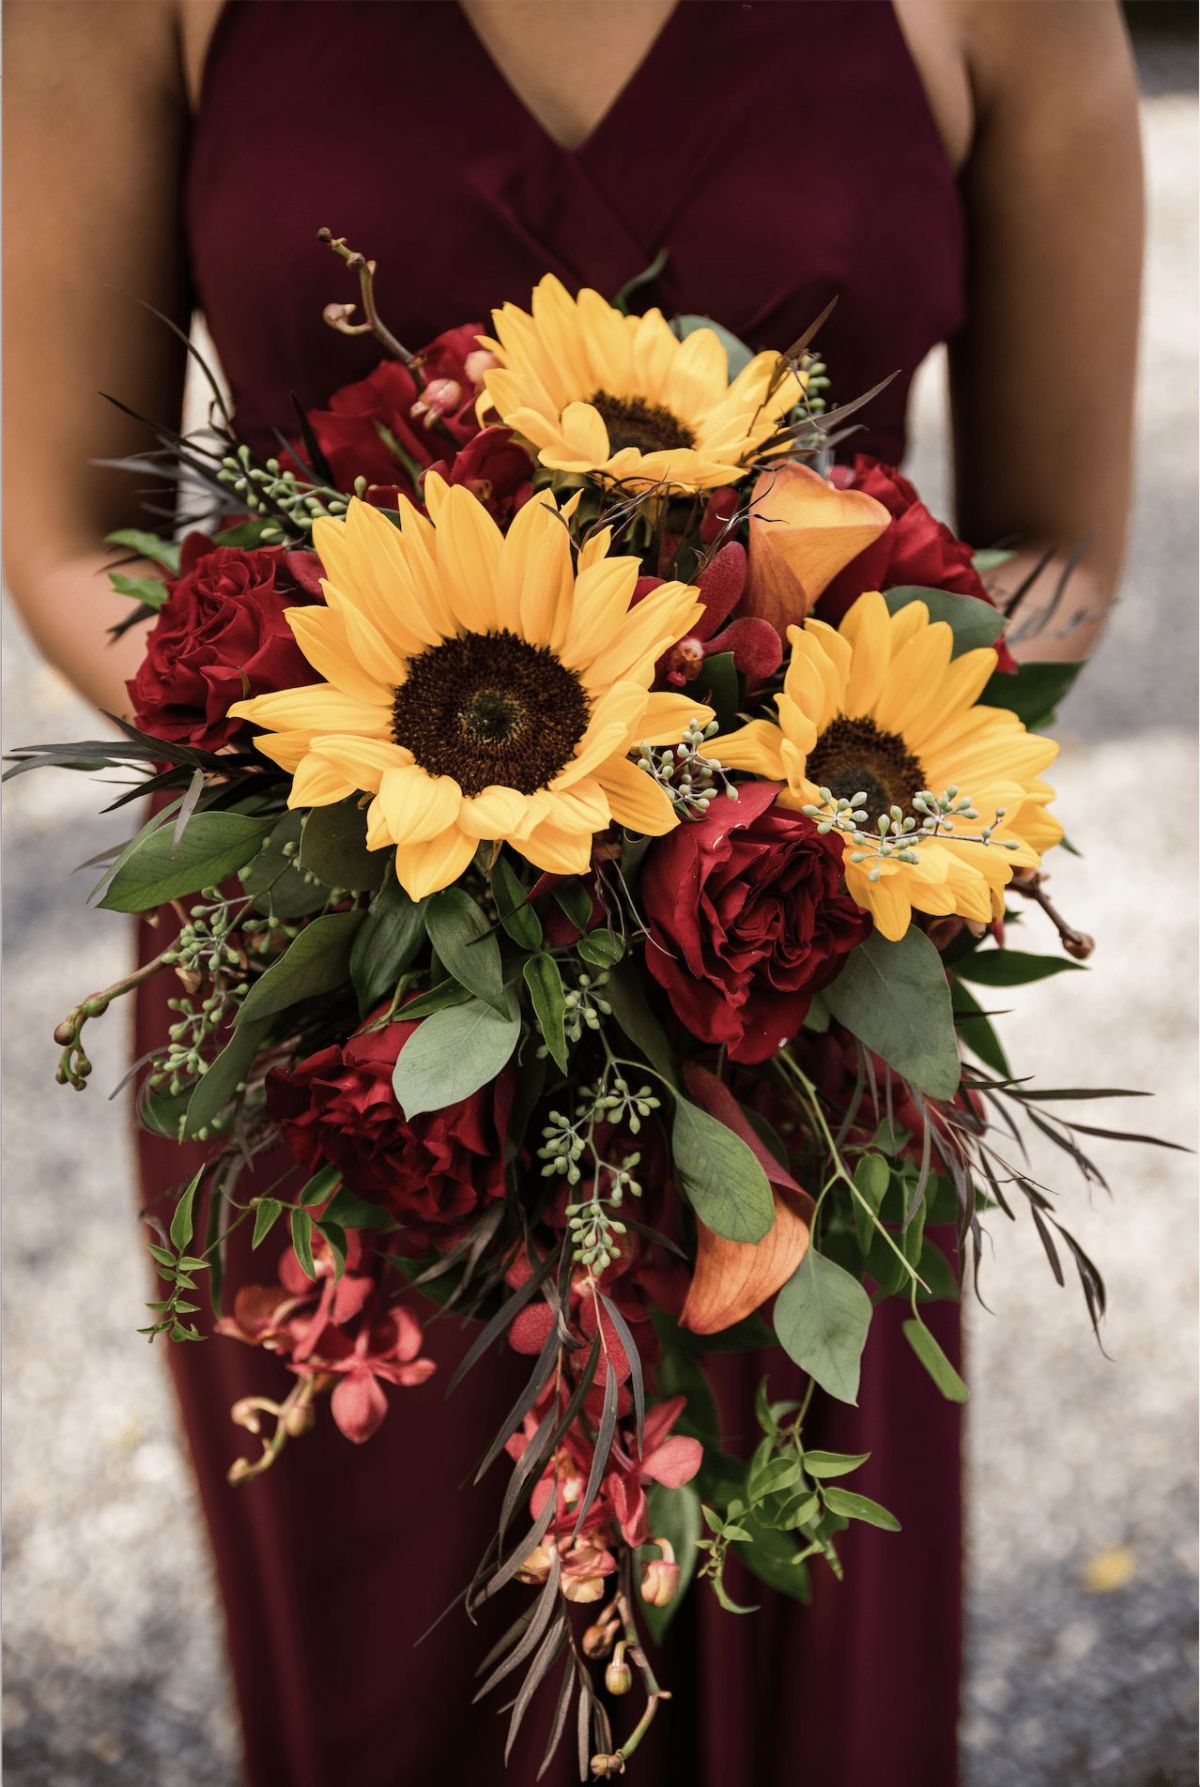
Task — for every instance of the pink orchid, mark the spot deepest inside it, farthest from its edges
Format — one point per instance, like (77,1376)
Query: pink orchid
(666,1458)
(387,1351)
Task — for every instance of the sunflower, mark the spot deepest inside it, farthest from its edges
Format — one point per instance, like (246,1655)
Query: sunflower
(480,686)
(877,707)
(624,399)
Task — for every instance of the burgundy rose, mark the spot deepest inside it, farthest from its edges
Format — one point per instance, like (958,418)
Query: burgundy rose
(748,917)
(390,422)
(496,468)
(221,636)
(338,1108)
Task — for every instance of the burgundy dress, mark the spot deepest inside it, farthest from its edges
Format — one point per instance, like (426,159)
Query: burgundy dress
(784,153)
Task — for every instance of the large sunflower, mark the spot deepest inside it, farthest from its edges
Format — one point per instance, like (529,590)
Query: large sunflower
(878,707)
(623,398)
(480,686)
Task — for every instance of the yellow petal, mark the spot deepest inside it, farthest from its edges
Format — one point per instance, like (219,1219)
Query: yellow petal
(363,761)
(416,806)
(635,799)
(317,708)
(755,747)
(317,783)
(666,718)
(321,635)
(495,812)
(425,868)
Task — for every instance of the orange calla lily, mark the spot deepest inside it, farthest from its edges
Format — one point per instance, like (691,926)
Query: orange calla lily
(734,1278)
(803,531)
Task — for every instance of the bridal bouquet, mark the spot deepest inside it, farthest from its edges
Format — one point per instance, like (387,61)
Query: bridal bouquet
(589,826)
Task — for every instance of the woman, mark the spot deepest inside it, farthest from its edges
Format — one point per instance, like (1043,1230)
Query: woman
(950,169)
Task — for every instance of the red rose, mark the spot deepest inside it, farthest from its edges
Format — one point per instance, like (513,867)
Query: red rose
(338,1108)
(220,637)
(390,405)
(916,549)
(496,468)
(748,917)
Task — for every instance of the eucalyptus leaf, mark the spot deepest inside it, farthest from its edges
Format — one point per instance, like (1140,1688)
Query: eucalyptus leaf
(333,847)
(626,994)
(545,985)
(466,945)
(150,590)
(385,943)
(147,545)
(973,621)
(512,905)
(1033,693)
(822,1315)
(215,1089)
(316,963)
(895,998)
(155,869)
(453,1054)
(929,1351)
(720,1175)
(1012,967)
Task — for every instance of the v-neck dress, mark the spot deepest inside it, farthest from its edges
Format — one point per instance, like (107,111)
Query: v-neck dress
(782,152)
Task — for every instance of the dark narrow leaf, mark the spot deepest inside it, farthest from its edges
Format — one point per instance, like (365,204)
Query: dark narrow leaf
(604,1440)
(637,1383)
(558,1723)
(538,1379)
(551,1645)
(501,1320)
(541,1619)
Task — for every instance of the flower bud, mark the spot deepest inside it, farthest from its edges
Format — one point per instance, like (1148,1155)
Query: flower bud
(477,362)
(440,397)
(660,1577)
(583,1589)
(536,1566)
(597,1640)
(602,1766)
(618,1677)
(299,1419)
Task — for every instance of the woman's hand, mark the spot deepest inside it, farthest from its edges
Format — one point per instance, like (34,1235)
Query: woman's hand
(1043,374)
(94,128)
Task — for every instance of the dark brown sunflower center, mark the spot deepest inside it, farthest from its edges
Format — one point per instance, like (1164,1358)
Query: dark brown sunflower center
(489,707)
(631,422)
(855,757)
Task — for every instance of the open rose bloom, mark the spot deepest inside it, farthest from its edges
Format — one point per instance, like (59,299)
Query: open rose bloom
(589,827)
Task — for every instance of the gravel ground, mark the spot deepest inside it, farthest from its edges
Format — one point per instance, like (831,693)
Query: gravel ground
(1082,1468)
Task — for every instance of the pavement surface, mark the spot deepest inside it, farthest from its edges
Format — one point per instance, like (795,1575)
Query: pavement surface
(1081,1467)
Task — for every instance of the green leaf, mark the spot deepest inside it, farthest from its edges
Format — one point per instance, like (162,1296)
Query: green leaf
(647,276)
(718,682)
(150,590)
(302,1227)
(973,621)
(213,846)
(720,1176)
(440,998)
(546,995)
(384,944)
(267,1212)
(1033,693)
(737,353)
(975,1028)
(512,906)
(215,1089)
(352,1212)
(601,949)
(1012,967)
(674,1515)
(466,945)
(626,994)
(895,998)
(822,1315)
(316,963)
(771,1556)
(147,545)
(275,883)
(833,1464)
(452,1055)
(183,1221)
(798,1510)
(775,1475)
(576,903)
(925,1345)
(991,559)
(852,1506)
(333,847)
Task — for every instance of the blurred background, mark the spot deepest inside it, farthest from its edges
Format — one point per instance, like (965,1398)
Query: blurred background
(1082,1468)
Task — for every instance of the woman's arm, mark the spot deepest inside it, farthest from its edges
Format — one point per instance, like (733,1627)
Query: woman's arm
(1042,378)
(94,125)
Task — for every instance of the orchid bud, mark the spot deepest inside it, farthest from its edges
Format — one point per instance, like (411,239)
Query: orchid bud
(618,1677)
(439,398)
(603,1766)
(660,1577)
(477,362)
(536,1566)
(299,1419)
(597,1640)
(244,1413)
